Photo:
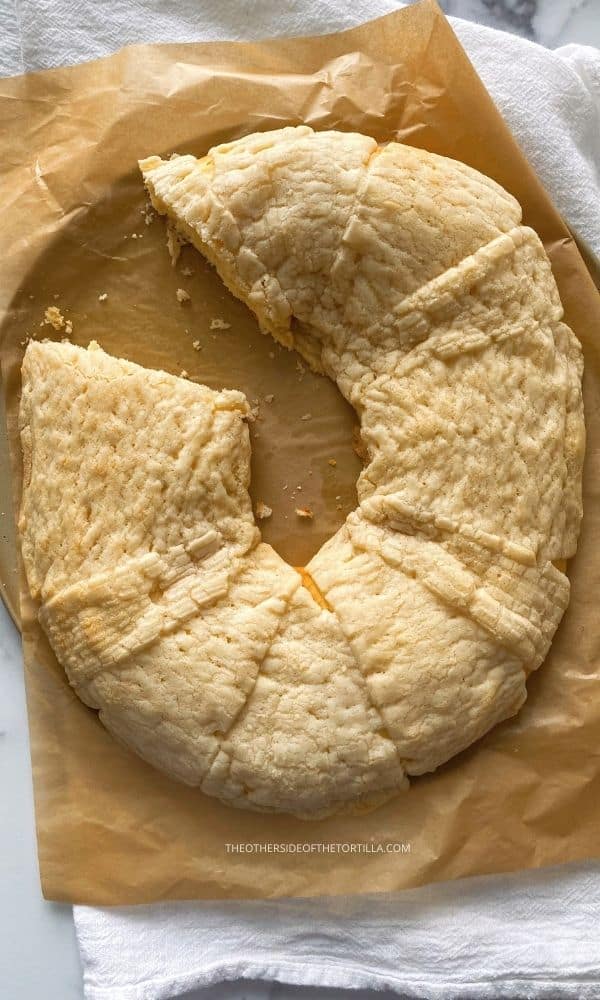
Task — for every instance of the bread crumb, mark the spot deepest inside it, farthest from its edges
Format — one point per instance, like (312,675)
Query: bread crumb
(174,243)
(285,486)
(103,297)
(300,368)
(306,416)
(219,324)
(197,345)
(53,317)
(68,327)
(338,498)
(182,296)
(332,462)
(269,398)
(134,236)
(187,272)
(183,373)
(56,296)
(305,512)
(263,511)
(148,214)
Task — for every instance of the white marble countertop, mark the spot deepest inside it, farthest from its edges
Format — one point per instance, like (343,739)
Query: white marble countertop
(38,956)
(548,22)
(51,968)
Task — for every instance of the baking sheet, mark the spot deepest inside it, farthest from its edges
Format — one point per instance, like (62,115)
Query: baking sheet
(110,829)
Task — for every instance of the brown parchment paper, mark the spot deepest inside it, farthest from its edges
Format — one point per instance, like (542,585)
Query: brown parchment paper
(110,829)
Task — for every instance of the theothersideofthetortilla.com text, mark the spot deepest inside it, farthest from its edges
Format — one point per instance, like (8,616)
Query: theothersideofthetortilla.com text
(318,847)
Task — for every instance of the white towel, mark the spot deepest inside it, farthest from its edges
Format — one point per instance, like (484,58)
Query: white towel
(530,935)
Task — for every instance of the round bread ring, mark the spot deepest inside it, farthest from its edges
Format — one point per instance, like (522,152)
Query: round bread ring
(408,279)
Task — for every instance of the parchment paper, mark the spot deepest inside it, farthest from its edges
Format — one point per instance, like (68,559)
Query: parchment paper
(111,829)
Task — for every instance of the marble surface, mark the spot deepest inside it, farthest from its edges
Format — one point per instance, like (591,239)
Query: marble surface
(548,22)
(38,956)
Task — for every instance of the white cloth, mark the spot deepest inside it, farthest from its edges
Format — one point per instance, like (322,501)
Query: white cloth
(533,935)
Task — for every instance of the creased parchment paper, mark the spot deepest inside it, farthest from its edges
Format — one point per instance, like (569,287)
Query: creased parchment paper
(110,829)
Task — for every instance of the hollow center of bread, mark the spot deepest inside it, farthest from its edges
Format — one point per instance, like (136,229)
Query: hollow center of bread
(303,433)
(304,466)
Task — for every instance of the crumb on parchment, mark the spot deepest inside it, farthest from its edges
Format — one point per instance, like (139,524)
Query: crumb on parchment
(103,297)
(304,512)
(306,416)
(54,318)
(174,243)
(332,462)
(187,272)
(196,345)
(269,397)
(219,324)
(182,296)
(263,511)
